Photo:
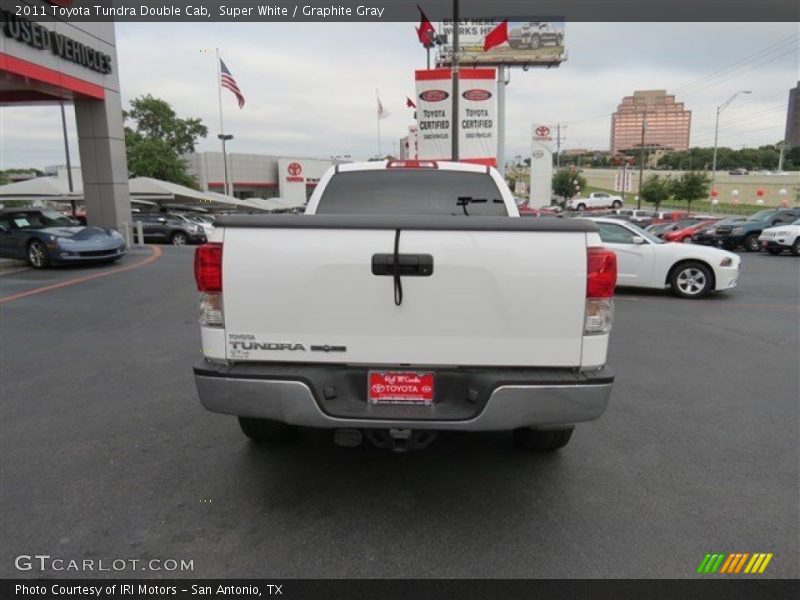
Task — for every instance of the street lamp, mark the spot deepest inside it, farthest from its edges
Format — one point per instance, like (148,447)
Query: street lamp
(720,108)
(226,138)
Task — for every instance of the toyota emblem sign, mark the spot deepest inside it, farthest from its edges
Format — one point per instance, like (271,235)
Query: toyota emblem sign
(295,170)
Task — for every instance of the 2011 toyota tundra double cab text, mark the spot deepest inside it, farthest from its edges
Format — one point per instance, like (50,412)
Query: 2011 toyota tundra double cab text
(390,310)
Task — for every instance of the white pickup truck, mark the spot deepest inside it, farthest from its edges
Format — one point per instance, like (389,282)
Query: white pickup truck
(595,200)
(410,298)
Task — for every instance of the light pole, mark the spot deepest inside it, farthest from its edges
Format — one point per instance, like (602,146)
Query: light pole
(641,161)
(226,138)
(720,108)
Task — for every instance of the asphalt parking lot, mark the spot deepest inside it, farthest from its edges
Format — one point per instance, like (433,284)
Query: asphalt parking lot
(105,451)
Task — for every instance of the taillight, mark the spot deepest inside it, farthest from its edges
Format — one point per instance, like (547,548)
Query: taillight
(208,267)
(601,278)
(601,275)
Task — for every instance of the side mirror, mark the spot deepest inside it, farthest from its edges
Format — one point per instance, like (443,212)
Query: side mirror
(638,240)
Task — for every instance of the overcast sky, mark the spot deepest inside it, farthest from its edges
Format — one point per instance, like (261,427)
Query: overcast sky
(310,88)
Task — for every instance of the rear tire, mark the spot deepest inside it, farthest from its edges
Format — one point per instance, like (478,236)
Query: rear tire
(267,431)
(536,440)
(581,206)
(616,204)
(751,243)
(38,257)
(178,239)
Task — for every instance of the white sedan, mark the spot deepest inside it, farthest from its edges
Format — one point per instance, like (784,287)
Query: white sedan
(645,261)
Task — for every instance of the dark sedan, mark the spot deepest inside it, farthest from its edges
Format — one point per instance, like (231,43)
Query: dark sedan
(46,237)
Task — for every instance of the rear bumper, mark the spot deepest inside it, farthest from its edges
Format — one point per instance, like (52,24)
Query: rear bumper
(530,397)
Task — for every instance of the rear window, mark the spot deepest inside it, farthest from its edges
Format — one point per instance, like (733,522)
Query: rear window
(411,192)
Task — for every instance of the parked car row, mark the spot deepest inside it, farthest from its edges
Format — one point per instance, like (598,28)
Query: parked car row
(733,232)
(746,233)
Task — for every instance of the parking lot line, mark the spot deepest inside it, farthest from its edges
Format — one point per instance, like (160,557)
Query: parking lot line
(155,253)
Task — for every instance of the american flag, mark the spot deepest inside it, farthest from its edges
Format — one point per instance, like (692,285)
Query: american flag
(382,112)
(226,80)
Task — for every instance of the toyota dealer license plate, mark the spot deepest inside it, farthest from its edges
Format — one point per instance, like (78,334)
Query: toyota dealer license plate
(400,387)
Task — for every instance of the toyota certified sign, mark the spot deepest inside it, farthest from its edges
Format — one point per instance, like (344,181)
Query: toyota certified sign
(433,95)
(477,95)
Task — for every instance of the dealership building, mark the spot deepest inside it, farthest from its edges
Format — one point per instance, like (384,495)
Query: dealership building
(258,175)
(51,62)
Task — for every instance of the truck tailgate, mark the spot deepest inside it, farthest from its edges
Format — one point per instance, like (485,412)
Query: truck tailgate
(301,289)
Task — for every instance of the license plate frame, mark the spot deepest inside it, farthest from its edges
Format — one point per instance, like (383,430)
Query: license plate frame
(397,386)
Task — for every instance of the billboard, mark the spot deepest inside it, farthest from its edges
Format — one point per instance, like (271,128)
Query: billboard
(529,44)
(477,119)
(541,166)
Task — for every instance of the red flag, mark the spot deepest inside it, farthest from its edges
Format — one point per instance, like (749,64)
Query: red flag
(410,103)
(496,36)
(425,31)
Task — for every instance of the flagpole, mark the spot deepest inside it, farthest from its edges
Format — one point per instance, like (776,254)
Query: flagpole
(378,114)
(219,91)
(223,138)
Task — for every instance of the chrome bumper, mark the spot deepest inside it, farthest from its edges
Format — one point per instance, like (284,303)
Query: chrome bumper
(508,407)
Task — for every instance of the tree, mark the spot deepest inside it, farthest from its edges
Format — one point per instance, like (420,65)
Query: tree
(158,140)
(655,189)
(567,183)
(690,186)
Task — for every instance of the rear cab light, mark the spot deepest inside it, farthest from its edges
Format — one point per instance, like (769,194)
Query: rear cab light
(412,164)
(601,278)
(208,277)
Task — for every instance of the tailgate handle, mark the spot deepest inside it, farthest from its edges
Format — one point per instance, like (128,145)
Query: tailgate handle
(410,265)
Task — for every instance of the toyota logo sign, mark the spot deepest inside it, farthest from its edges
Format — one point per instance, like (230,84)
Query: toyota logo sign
(477,95)
(294,169)
(543,131)
(433,95)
